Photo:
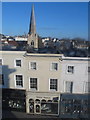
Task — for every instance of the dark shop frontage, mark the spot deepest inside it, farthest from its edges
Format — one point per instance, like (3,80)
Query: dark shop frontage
(14,99)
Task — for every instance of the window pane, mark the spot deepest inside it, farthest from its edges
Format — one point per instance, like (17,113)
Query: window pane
(18,77)
(33,65)
(53,84)
(18,63)
(71,69)
(19,80)
(54,66)
(33,83)
(69,86)
(32,43)
(87,87)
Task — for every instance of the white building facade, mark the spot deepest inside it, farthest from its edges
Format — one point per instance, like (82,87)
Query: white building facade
(44,76)
(75,75)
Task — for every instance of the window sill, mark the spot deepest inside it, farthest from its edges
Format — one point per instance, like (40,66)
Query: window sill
(18,66)
(19,87)
(32,89)
(52,90)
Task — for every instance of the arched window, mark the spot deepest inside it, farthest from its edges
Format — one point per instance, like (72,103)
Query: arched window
(49,100)
(43,101)
(37,101)
(31,100)
(32,43)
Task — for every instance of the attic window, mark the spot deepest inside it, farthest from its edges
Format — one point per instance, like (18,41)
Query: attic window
(70,69)
(18,63)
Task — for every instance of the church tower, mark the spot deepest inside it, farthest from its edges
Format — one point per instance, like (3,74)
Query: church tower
(34,40)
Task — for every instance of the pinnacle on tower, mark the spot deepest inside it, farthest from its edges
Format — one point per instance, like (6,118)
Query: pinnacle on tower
(32,28)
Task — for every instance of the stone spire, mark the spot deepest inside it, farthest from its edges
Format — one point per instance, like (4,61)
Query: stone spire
(33,41)
(32,28)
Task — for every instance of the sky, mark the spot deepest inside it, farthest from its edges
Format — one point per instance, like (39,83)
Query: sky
(53,19)
(0,17)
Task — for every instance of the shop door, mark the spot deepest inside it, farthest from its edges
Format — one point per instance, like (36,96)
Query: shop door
(31,106)
(37,109)
(37,106)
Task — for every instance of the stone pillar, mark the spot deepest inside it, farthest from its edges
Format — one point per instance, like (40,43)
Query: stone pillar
(27,104)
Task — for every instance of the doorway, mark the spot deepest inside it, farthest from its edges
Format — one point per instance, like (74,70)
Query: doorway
(37,106)
(31,106)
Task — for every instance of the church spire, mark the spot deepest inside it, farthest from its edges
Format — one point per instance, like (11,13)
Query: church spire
(32,28)
(33,41)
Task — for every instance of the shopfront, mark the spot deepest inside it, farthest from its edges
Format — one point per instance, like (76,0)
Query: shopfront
(14,99)
(40,104)
(74,105)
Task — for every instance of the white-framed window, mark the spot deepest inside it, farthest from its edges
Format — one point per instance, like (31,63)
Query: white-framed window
(33,65)
(69,86)
(19,80)
(87,87)
(1,61)
(33,83)
(53,84)
(1,79)
(54,66)
(18,63)
(70,69)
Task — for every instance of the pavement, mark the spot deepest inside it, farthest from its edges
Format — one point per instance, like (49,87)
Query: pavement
(15,115)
